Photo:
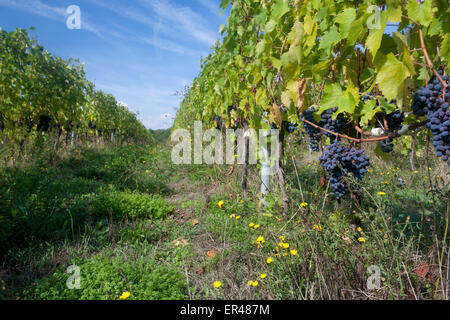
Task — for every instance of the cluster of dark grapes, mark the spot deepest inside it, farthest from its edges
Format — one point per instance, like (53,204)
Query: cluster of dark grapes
(290,127)
(428,101)
(337,125)
(313,132)
(394,121)
(340,161)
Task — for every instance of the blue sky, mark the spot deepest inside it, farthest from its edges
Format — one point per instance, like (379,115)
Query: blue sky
(141,51)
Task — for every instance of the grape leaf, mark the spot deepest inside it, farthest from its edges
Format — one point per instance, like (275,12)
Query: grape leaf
(391,76)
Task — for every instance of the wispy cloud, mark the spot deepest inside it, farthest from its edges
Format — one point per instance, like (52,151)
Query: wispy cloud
(184,20)
(170,25)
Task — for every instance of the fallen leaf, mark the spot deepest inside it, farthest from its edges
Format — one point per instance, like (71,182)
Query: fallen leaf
(347,239)
(180,242)
(200,270)
(211,253)
(422,270)
(195,222)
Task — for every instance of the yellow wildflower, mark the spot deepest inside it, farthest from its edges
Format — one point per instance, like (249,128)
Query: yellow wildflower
(303,204)
(255,283)
(124,295)
(381,193)
(217,284)
(220,204)
(249,283)
(361,240)
(359,229)
(294,252)
(269,260)
(317,227)
(251,225)
(263,276)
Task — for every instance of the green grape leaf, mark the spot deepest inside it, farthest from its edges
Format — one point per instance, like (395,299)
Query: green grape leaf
(345,20)
(330,38)
(422,13)
(445,47)
(373,41)
(280,8)
(391,76)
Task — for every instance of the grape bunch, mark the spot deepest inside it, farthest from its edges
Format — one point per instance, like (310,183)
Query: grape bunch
(340,161)
(313,133)
(337,125)
(290,127)
(428,101)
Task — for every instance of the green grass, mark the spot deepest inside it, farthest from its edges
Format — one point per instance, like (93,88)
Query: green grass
(132,221)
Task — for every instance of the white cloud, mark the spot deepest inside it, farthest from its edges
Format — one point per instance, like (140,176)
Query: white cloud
(184,20)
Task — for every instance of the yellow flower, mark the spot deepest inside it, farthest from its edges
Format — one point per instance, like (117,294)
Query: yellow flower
(416,172)
(146,171)
(256,226)
(217,284)
(232,216)
(386,182)
(303,204)
(125,295)
(294,252)
(269,260)
(284,245)
(249,283)
(359,229)
(260,240)
(361,240)
(317,227)
(381,193)
(255,283)
(282,238)
(251,225)
(238,217)
(263,276)
(220,204)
